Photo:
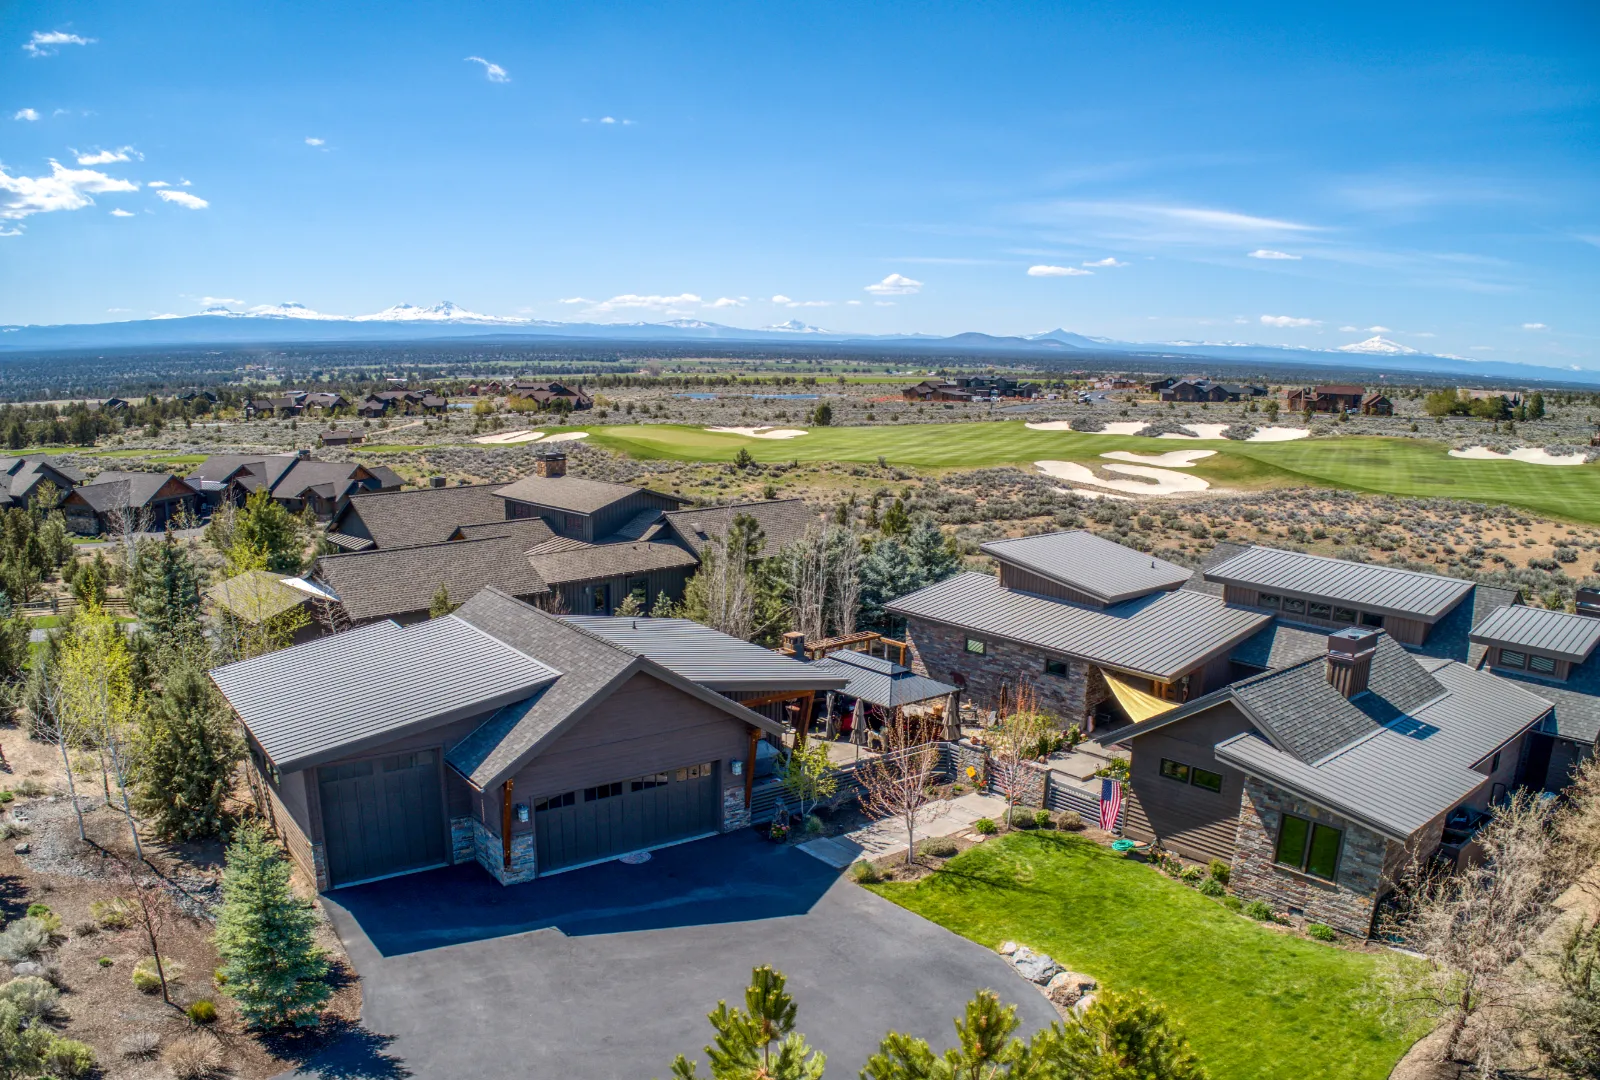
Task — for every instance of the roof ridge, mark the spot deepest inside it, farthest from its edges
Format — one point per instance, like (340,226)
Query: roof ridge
(418,491)
(417,547)
(1343,562)
(502,594)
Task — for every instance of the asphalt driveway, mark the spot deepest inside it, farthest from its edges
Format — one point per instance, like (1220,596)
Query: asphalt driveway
(609,971)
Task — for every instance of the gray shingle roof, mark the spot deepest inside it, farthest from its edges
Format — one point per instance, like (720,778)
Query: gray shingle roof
(331,697)
(608,560)
(1160,636)
(782,522)
(1556,633)
(1090,564)
(531,531)
(387,582)
(1377,588)
(706,656)
(111,490)
(22,475)
(573,493)
(878,681)
(1279,646)
(420,516)
(339,476)
(219,467)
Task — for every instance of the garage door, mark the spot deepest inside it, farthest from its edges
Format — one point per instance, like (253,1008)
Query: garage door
(382,816)
(613,819)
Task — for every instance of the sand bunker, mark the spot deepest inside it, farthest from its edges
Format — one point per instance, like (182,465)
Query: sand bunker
(1116,427)
(1532,455)
(1175,459)
(1201,431)
(1280,434)
(1154,482)
(504,438)
(568,436)
(761,432)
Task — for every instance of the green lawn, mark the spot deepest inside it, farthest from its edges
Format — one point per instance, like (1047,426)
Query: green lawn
(1366,463)
(163,458)
(1255,1003)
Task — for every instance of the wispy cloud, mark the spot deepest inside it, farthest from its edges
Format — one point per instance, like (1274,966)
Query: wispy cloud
(158,184)
(313,141)
(1268,253)
(184,199)
(895,285)
(1058,271)
(681,304)
(1287,322)
(29,115)
(491,71)
(609,120)
(107,157)
(1379,330)
(1534,326)
(49,42)
(63,189)
(1204,217)
(219,301)
(1107,261)
(120,212)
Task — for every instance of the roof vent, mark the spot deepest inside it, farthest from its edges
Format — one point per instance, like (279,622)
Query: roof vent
(1588,602)
(1349,664)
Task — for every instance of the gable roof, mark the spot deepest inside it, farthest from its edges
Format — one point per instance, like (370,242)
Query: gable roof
(1083,561)
(879,681)
(531,531)
(419,516)
(782,522)
(396,581)
(1555,633)
(574,494)
(1387,589)
(709,657)
(594,561)
(306,474)
(113,490)
(220,468)
(22,475)
(256,596)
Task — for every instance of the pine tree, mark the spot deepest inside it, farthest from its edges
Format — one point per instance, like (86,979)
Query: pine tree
(895,520)
(271,965)
(441,603)
(263,528)
(932,555)
(886,573)
(744,1049)
(187,751)
(164,590)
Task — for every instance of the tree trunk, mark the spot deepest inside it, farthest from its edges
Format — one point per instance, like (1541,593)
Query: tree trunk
(72,788)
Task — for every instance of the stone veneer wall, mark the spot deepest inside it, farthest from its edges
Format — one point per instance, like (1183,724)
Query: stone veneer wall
(461,845)
(491,855)
(1346,904)
(940,652)
(735,815)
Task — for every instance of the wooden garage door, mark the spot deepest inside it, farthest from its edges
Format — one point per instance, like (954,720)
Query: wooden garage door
(613,819)
(382,816)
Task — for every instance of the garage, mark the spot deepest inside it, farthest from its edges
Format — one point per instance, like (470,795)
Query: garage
(382,816)
(601,822)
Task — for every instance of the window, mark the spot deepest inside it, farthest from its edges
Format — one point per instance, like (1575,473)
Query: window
(1293,606)
(396,762)
(639,589)
(1369,619)
(1513,659)
(555,802)
(1055,667)
(1319,611)
(1344,615)
(1175,770)
(598,596)
(651,780)
(1267,599)
(329,773)
(975,646)
(1542,664)
(604,791)
(1309,846)
(1209,780)
(1494,763)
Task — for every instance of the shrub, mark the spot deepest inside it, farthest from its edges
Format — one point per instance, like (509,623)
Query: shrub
(863,873)
(1042,819)
(1219,871)
(1258,910)
(10,830)
(985,826)
(45,918)
(1211,887)
(940,847)
(193,1057)
(141,1044)
(6,797)
(779,831)
(1191,875)
(69,1059)
(1321,932)
(813,826)
(105,961)
(147,981)
(1232,903)
(32,995)
(1069,819)
(1019,818)
(113,914)
(202,1011)
(30,788)
(23,940)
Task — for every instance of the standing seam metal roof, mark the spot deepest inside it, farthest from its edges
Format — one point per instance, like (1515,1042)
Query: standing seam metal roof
(709,657)
(1569,637)
(1383,588)
(879,681)
(1090,564)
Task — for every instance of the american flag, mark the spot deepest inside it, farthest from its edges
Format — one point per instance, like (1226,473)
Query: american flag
(1110,803)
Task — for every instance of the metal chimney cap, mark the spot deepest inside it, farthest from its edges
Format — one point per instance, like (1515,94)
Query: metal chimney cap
(1353,641)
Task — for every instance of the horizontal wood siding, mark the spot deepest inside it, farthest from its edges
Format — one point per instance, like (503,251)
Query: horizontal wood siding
(576,595)
(1013,577)
(290,821)
(1192,821)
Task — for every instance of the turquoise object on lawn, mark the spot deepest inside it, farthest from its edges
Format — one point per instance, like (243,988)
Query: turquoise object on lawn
(1123,845)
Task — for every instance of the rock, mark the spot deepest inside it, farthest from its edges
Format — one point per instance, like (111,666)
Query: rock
(22,848)
(1083,1003)
(1033,966)
(27,967)
(1007,948)
(1066,987)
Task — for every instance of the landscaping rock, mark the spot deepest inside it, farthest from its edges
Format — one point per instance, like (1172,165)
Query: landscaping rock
(1033,966)
(1067,987)
(1083,1003)
(22,848)
(28,967)
(1007,948)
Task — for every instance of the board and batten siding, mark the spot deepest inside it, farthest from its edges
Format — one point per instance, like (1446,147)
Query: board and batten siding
(1014,577)
(595,526)
(578,596)
(1405,631)
(1192,821)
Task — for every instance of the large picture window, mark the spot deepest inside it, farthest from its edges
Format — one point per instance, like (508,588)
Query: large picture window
(1310,846)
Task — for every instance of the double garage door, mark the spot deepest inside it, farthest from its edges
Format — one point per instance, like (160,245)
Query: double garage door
(382,816)
(589,824)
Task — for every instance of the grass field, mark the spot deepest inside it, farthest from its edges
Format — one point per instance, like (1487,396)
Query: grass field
(1415,467)
(1256,1004)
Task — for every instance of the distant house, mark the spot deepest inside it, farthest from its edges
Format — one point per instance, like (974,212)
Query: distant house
(113,405)
(325,402)
(20,478)
(550,393)
(1336,398)
(190,396)
(341,437)
(119,501)
(1198,390)
(1163,384)
(296,480)
(1376,405)
(970,388)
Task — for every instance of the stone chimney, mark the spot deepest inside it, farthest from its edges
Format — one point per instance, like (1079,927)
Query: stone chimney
(1350,659)
(550,464)
(436,481)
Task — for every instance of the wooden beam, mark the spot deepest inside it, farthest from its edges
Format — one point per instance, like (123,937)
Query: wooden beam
(807,711)
(750,765)
(768,699)
(505,824)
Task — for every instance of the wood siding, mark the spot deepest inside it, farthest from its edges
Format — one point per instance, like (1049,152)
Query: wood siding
(1190,820)
(1405,631)
(595,526)
(578,596)
(1014,577)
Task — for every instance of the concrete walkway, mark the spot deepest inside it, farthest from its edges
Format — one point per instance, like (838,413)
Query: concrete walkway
(888,835)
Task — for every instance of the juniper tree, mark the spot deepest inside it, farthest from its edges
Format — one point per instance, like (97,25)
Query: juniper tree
(186,753)
(271,965)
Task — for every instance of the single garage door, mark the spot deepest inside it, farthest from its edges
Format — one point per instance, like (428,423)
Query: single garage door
(613,819)
(382,816)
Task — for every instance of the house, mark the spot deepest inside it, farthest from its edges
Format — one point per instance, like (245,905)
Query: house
(399,584)
(342,437)
(231,477)
(969,388)
(411,518)
(1327,399)
(1376,404)
(296,480)
(550,393)
(498,734)
(592,579)
(118,502)
(324,401)
(21,477)
(782,521)
(1166,383)
(114,405)
(433,404)
(257,597)
(587,510)
(189,397)
(1200,389)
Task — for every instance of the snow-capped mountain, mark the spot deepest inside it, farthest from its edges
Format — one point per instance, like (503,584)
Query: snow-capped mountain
(795,326)
(287,310)
(444,311)
(1379,346)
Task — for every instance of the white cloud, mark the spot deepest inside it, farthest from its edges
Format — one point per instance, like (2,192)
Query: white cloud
(184,199)
(1219,220)
(895,285)
(49,42)
(1342,329)
(1285,322)
(185,183)
(312,141)
(1058,271)
(63,189)
(810,303)
(648,303)
(1107,261)
(852,303)
(724,302)
(29,115)
(1268,253)
(1379,330)
(781,299)
(158,184)
(608,119)
(119,212)
(883,303)
(118,310)
(1534,326)
(576,300)
(492,72)
(213,301)
(1423,333)
(106,157)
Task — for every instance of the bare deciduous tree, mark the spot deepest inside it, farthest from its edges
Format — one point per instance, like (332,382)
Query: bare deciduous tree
(1013,744)
(899,782)
(153,911)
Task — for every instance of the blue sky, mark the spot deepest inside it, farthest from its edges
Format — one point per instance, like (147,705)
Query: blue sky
(1289,174)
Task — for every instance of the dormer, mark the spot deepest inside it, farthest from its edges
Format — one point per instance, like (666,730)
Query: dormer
(1536,641)
(1082,568)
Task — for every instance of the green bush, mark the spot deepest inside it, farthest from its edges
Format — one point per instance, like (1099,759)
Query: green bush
(985,826)
(23,940)
(30,788)
(1220,871)
(31,995)
(7,796)
(1211,887)
(1321,932)
(45,918)
(812,826)
(1019,818)
(69,1059)
(863,873)
(105,961)
(147,981)
(1232,903)
(202,1011)
(1258,910)
(113,914)
(1190,875)
(940,847)
(1042,819)
(1070,820)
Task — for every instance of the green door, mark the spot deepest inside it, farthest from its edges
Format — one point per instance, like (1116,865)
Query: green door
(382,816)
(602,822)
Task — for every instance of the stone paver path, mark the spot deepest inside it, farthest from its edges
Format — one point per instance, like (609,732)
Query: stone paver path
(888,835)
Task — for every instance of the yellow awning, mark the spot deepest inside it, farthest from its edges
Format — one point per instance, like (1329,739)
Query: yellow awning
(1140,705)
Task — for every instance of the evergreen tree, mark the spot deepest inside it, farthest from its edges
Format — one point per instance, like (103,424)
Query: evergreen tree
(187,751)
(663,608)
(264,529)
(88,586)
(932,555)
(895,520)
(164,590)
(822,415)
(1536,406)
(14,647)
(441,603)
(758,1042)
(265,935)
(887,572)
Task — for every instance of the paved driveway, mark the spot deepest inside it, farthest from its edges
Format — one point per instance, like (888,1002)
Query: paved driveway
(609,971)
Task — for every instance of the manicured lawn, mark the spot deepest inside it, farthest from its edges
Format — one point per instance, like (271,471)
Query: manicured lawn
(165,459)
(1255,1003)
(1366,463)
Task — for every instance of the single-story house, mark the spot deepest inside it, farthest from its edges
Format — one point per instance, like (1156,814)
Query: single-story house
(1336,398)
(399,584)
(1376,404)
(115,502)
(294,480)
(548,393)
(498,734)
(20,478)
(342,437)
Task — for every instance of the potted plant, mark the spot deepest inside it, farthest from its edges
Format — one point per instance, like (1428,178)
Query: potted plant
(779,833)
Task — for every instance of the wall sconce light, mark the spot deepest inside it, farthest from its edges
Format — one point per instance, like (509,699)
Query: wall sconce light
(522,812)
(736,767)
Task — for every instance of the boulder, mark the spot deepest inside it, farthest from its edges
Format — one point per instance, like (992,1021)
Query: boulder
(1066,987)
(28,967)
(1033,966)
(1083,1003)
(22,848)
(1007,948)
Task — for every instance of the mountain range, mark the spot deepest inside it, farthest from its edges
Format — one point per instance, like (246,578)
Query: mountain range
(296,324)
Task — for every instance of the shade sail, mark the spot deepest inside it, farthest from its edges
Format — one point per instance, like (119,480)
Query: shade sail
(1140,705)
